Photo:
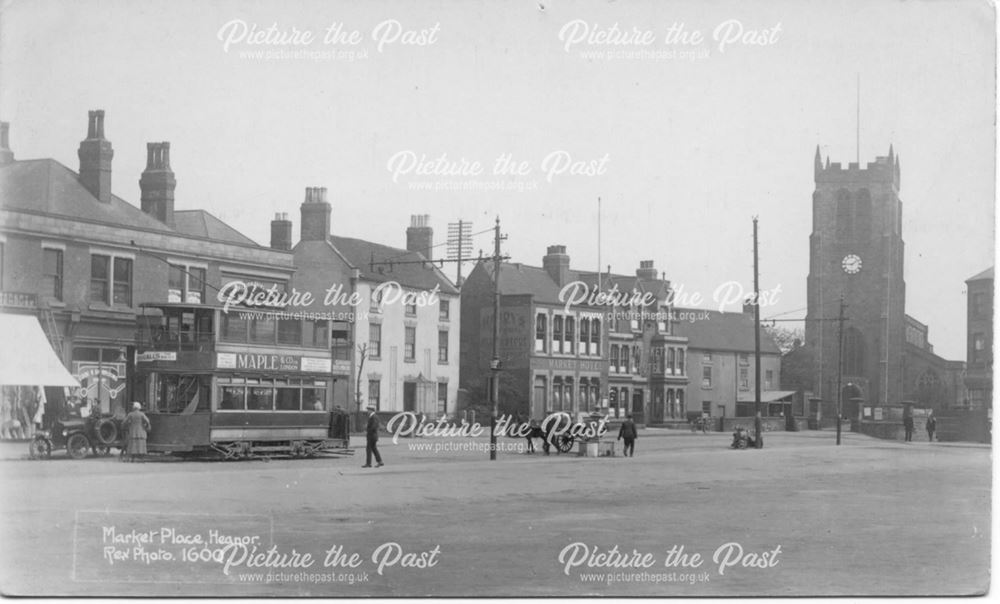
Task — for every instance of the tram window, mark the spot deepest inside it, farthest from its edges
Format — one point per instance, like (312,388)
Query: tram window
(287,398)
(262,331)
(290,331)
(260,399)
(187,326)
(313,399)
(204,326)
(234,328)
(233,397)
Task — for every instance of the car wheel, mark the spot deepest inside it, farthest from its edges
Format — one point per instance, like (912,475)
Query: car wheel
(40,448)
(77,446)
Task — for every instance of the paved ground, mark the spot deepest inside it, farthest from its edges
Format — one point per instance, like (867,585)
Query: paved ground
(867,518)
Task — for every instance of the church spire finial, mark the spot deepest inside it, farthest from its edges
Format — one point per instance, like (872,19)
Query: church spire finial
(817,163)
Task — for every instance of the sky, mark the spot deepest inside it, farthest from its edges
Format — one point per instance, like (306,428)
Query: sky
(683,139)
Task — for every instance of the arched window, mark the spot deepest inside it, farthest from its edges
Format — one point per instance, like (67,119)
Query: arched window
(854,352)
(614,358)
(845,215)
(863,219)
(929,388)
(568,395)
(584,335)
(557,393)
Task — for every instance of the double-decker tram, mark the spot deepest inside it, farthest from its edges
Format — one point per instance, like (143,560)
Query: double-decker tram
(238,383)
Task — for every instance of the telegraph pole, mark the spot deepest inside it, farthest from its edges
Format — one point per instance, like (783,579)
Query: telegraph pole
(840,362)
(495,359)
(756,341)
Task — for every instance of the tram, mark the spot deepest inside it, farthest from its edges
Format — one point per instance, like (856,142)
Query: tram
(237,383)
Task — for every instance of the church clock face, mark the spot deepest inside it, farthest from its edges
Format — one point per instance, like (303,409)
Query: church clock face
(851,264)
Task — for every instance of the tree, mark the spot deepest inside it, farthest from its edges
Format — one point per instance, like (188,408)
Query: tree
(785,337)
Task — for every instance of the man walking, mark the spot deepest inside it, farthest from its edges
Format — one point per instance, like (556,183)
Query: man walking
(628,433)
(931,426)
(371,436)
(908,428)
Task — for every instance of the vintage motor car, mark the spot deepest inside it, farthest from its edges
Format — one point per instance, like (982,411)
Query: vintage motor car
(78,435)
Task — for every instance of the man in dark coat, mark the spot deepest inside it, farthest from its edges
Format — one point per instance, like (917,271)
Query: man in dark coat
(628,433)
(371,436)
(908,428)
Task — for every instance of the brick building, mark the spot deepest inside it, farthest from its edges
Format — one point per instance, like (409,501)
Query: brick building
(979,359)
(573,358)
(85,260)
(399,344)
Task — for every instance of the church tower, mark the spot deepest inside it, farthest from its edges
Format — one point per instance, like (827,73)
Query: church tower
(856,252)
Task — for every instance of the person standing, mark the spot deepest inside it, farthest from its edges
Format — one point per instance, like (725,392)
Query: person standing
(931,426)
(628,433)
(136,427)
(371,439)
(908,428)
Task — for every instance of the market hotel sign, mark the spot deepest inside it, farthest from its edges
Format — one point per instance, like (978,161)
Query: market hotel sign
(271,362)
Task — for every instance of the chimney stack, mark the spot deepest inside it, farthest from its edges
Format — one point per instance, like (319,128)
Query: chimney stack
(315,213)
(6,155)
(420,236)
(281,232)
(157,184)
(95,155)
(556,264)
(646,272)
(748,305)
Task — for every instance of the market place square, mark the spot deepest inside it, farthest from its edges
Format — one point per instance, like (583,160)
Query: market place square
(802,516)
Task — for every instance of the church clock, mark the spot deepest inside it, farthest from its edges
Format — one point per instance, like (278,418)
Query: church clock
(851,264)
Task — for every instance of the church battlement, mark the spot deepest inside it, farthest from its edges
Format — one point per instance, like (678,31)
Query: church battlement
(885,168)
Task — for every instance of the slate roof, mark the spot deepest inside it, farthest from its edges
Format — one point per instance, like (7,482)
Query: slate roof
(520,279)
(199,223)
(983,276)
(360,254)
(724,331)
(46,186)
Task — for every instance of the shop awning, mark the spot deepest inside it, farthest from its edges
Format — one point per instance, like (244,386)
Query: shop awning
(26,356)
(767,396)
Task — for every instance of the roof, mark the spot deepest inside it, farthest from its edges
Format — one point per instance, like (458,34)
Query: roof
(983,276)
(521,279)
(48,187)
(410,270)
(199,223)
(766,396)
(725,331)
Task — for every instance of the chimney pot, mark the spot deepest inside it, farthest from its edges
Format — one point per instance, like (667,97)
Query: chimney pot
(281,232)
(157,184)
(420,236)
(95,155)
(556,264)
(315,215)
